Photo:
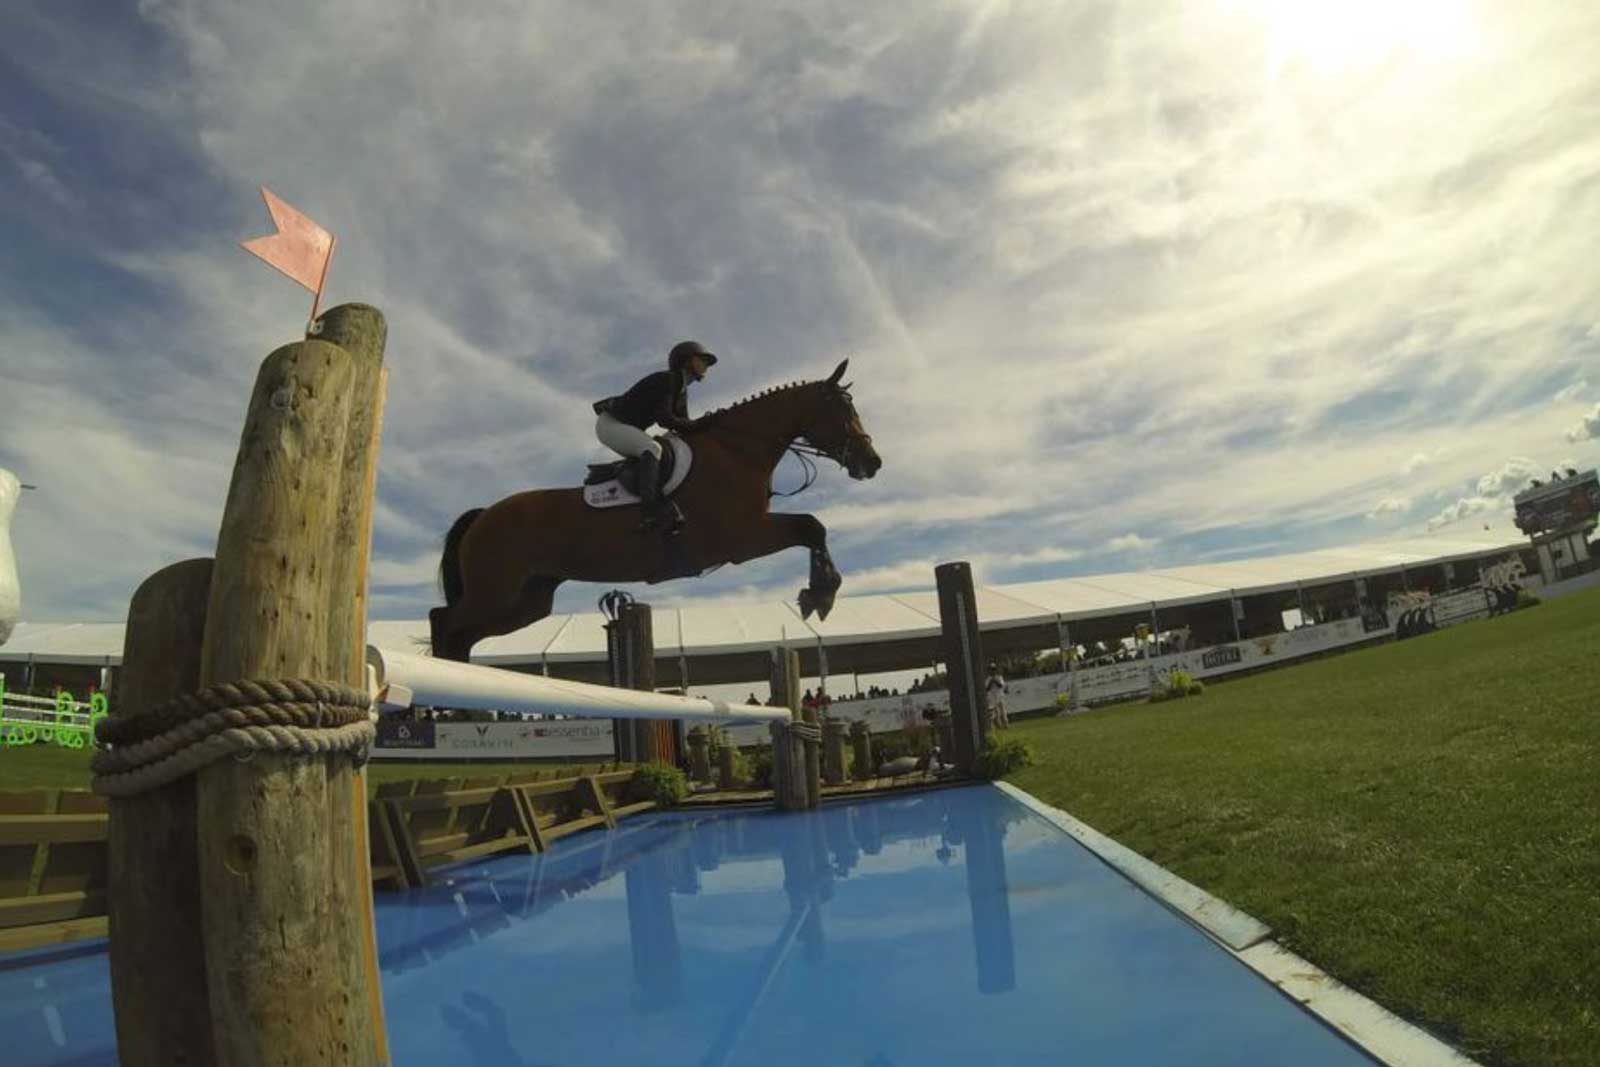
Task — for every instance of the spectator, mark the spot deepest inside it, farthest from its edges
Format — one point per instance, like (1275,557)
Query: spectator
(994,692)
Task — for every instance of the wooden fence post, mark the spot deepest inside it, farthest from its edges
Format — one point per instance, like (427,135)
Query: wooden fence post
(158,960)
(963,661)
(281,837)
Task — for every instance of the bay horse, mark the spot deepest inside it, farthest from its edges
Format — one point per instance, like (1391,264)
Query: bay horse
(502,564)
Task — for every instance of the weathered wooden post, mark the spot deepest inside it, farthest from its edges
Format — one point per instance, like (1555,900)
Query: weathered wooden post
(833,731)
(811,738)
(620,666)
(699,754)
(278,845)
(861,768)
(725,760)
(636,649)
(158,957)
(963,659)
(789,771)
(944,734)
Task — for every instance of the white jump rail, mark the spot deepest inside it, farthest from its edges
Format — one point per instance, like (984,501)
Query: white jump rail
(401,679)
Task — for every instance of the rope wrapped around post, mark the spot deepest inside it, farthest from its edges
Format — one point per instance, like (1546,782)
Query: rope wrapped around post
(177,738)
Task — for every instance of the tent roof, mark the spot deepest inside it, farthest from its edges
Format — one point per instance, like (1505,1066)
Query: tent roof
(751,627)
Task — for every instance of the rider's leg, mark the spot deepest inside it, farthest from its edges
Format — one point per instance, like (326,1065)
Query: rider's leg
(632,441)
(627,441)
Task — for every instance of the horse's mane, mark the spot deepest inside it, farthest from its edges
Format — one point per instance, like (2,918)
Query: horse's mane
(762,395)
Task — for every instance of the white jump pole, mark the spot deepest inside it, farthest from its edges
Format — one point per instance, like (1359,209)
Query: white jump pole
(403,679)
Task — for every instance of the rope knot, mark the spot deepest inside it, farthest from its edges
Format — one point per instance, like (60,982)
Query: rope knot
(292,716)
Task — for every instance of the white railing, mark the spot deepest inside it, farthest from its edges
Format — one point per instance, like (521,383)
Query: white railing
(403,679)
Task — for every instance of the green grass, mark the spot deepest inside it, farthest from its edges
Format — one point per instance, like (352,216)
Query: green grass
(43,767)
(1420,819)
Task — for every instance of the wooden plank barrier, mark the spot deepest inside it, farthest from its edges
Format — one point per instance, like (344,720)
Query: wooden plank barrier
(52,868)
(476,822)
(53,847)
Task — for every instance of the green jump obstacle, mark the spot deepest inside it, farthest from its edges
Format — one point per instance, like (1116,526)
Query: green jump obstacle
(29,720)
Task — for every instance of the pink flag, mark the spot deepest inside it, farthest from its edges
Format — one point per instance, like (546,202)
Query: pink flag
(301,249)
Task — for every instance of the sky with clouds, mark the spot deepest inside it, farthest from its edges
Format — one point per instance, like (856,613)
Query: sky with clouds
(1123,285)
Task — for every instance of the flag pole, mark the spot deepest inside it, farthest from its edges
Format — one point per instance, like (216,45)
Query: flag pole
(333,245)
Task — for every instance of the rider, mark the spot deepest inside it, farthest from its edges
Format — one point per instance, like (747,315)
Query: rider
(656,398)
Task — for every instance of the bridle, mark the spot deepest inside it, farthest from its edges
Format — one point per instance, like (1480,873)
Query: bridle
(843,457)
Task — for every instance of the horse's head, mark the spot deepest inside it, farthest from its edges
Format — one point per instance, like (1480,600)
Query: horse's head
(835,429)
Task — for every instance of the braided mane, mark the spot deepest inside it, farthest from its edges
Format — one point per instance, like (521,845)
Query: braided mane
(762,395)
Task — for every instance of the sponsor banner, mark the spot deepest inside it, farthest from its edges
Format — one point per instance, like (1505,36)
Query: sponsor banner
(1450,608)
(393,734)
(1421,613)
(581,738)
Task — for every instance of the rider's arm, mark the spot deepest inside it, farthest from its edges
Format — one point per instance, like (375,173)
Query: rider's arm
(672,411)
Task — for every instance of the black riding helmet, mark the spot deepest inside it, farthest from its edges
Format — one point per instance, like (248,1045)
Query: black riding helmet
(683,351)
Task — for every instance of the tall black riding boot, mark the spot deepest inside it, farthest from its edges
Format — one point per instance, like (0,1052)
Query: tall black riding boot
(655,508)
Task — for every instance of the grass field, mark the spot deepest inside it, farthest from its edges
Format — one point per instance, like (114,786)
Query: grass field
(1420,819)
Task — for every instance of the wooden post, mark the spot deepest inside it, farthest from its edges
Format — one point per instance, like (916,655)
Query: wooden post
(963,659)
(944,734)
(619,665)
(812,754)
(699,754)
(725,754)
(791,785)
(833,751)
(360,329)
(637,635)
(288,967)
(158,959)
(861,754)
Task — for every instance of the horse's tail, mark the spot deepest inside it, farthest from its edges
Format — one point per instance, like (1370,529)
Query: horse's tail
(450,565)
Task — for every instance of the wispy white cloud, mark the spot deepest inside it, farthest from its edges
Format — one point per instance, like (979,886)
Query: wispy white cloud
(1417,462)
(1468,506)
(1571,392)
(1587,427)
(1509,477)
(1390,505)
(1132,542)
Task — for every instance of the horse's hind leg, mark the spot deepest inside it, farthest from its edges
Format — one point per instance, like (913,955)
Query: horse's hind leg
(457,628)
(537,599)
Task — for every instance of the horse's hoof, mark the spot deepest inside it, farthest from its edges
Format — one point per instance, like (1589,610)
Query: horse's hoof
(824,605)
(808,604)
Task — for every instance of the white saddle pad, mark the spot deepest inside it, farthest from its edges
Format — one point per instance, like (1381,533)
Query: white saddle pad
(611,494)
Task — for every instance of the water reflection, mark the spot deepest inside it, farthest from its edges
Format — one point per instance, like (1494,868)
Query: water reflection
(665,859)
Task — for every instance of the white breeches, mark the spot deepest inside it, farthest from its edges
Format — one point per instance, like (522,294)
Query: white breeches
(627,441)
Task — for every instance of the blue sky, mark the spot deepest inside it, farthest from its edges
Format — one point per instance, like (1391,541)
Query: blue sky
(1123,285)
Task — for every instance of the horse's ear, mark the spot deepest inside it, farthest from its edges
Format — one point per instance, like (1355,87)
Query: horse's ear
(838,372)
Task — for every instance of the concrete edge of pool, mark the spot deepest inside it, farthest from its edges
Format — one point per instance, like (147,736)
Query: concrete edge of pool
(1368,1024)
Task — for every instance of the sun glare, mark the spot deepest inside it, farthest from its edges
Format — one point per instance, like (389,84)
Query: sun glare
(1347,35)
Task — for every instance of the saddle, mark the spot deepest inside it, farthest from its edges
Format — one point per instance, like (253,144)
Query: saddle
(614,484)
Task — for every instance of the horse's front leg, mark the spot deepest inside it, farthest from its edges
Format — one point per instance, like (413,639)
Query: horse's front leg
(782,531)
(825,579)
